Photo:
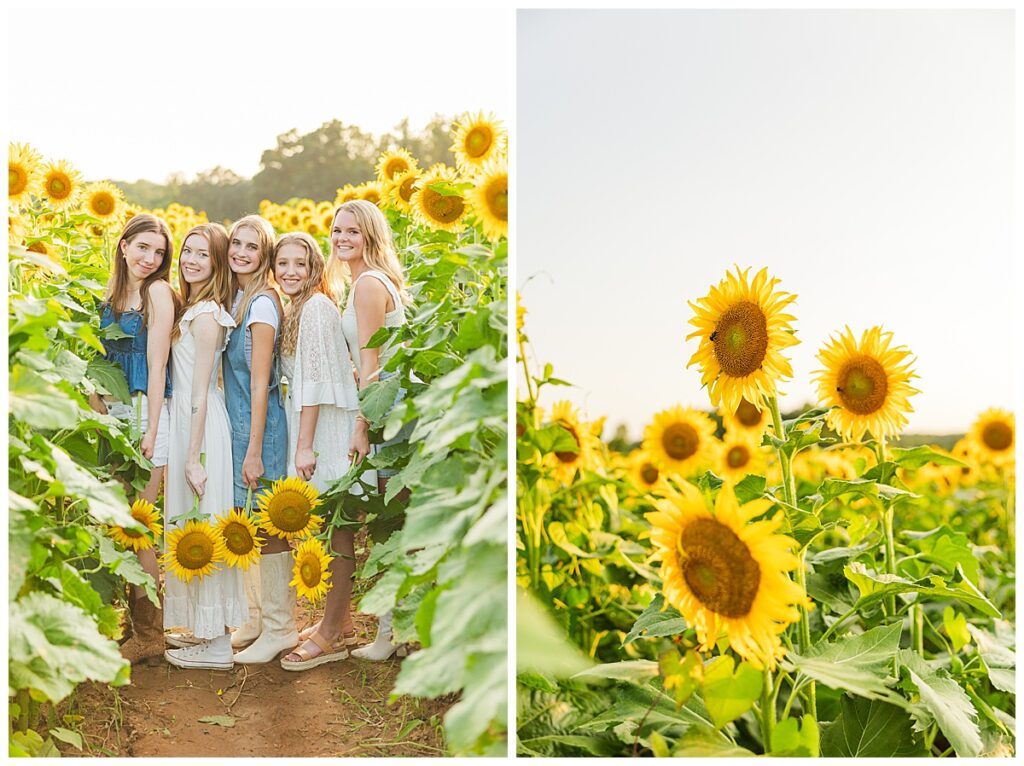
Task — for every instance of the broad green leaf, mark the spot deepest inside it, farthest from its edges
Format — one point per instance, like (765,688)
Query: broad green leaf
(541,645)
(556,531)
(681,676)
(750,487)
(108,377)
(792,737)
(875,587)
(67,736)
(658,619)
(626,670)
(956,628)
(870,729)
(707,742)
(918,456)
(39,403)
(377,398)
(997,657)
(855,663)
(949,548)
(729,695)
(105,499)
(943,702)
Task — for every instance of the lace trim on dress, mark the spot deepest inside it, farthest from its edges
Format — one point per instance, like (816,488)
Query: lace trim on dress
(323,365)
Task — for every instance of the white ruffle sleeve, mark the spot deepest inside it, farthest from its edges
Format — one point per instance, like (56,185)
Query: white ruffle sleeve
(323,364)
(224,319)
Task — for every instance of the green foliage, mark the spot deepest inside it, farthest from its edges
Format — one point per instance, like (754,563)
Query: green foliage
(870,729)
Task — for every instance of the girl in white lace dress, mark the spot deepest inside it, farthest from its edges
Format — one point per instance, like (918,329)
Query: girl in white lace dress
(199,426)
(321,406)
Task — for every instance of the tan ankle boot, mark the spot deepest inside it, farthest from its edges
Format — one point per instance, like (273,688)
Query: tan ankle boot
(147,641)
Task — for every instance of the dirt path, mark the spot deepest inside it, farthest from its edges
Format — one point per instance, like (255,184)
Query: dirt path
(338,709)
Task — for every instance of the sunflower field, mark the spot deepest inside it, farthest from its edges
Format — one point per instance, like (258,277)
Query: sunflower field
(438,557)
(745,582)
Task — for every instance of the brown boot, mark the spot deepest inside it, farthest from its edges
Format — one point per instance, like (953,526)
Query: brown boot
(147,641)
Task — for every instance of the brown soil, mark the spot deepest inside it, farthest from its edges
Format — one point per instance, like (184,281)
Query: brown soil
(338,709)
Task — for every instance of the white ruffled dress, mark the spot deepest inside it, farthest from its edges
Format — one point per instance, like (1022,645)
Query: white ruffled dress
(218,601)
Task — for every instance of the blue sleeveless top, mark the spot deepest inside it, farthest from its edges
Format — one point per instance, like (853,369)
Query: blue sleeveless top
(130,353)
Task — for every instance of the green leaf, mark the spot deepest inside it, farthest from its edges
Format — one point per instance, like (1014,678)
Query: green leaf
(948,548)
(626,670)
(106,500)
(956,628)
(750,487)
(858,664)
(556,531)
(108,377)
(875,587)
(377,398)
(39,403)
(541,645)
(868,729)
(681,675)
(997,656)
(707,742)
(226,721)
(943,702)
(792,737)
(72,738)
(729,695)
(658,619)
(918,456)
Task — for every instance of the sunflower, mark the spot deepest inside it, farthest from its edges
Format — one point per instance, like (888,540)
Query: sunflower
(725,574)
(146,514)
(644,472)
(22,172)
(738,455)
(346,193)
(489,199)
(867,384)
(566,463)
(61,184)
(305,206)
(393,163)
(263,206)
(129,211)
(680,441)
(992,436)
(286,511)
(371,191)
(478,139)
(433,209)
(521,312)
(399,190)
(241,546)
(311,570)
(17,229)
(967,475)
(748,418)
(103,200)
(742,332)
(193,550)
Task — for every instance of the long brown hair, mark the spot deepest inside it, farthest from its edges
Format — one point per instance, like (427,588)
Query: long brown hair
(378,247)
(260,280)
(316,282)
(117,290)
(220,286)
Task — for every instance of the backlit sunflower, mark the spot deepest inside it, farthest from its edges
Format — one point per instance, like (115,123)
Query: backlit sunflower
(747,419)
(400,188)
(436,204)
(393,163)
(241,545)
(129,211)
(742,331)
(346,193)
(61,185)
(305,206)
(968,474)
(680,440)
(146,514)
(565,462)
(312,578)
(286,511)
(371,191)
(993,436)
(737,456)
(489,199)
(17,229)
(22,172)
(644,472)
(725,574)
(193,550)
(867,383)
(103,200)
(478,138)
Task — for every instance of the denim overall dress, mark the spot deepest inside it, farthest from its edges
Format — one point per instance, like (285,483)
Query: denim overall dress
(130,353)
(238,399)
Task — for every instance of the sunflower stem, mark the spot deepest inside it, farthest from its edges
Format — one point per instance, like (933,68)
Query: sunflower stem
(767,711)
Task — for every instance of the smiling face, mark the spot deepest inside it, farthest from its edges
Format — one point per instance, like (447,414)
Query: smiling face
(144,254)
(194,264)
(291,268)
(244,251)
(346,237)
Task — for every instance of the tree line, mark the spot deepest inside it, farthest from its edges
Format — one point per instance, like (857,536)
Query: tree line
(313,165)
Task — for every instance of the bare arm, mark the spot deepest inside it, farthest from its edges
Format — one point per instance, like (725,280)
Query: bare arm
(259,383)
(305,460)
(158,347)
(209,336)
(371,302)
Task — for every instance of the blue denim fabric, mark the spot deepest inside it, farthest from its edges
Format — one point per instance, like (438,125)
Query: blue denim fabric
(403,433)
(238,399)
(130,353)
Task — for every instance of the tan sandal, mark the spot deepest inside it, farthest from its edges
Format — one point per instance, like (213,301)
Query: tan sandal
(329,652)
(350,639)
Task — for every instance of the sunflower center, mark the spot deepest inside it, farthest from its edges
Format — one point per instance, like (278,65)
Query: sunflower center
(238,539)
(737,456)
(748,414)
(16,180)
(649,473)
(718,567)
(406,189)
(132,533)
(862,385)
(310,573)
(569,457)
(394,167)
(103,204)
(370,195)
(478,141)
(497,199)
(680,441)
(442,208)
(58,188)
(195,550)
(741,339)
(997,436)
(289,511)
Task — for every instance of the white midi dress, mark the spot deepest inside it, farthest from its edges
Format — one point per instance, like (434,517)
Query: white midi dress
(319,373)
(218,601)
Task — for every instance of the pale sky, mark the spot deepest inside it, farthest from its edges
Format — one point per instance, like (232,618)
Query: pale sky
(219,85)
(865,157)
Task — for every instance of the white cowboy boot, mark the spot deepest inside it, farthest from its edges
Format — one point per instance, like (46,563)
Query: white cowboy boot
(278,605)
(381,648)
(252,628)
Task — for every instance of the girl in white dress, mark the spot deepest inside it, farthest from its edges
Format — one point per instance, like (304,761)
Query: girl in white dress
(321,406)
(199,426)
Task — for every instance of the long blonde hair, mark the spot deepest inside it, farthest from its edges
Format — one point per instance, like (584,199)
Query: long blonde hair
(316,282)
(260,280)
(219,287)
(117,289)
(378,247)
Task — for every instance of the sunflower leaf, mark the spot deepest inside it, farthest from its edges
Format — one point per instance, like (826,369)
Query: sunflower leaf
(870,728)
(919,456)
(729,695)
(655,621)
(942,702)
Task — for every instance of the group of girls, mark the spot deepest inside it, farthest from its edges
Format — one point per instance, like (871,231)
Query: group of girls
(216,445)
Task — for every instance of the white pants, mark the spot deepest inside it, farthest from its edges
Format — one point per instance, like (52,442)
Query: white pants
(127,413)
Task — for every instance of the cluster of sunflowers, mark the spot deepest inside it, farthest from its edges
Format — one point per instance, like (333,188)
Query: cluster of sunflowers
(198,547)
